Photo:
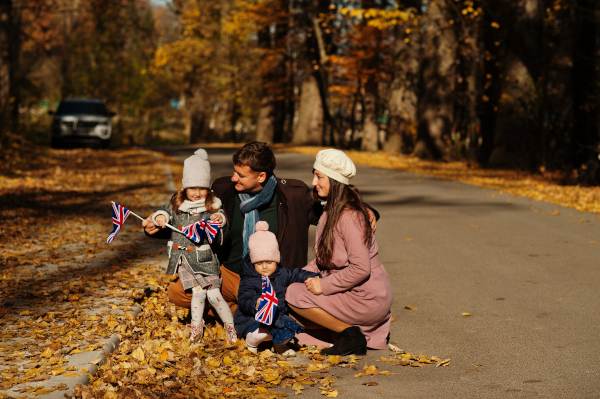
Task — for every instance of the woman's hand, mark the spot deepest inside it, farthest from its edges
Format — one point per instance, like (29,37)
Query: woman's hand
(372,220)
(313,284)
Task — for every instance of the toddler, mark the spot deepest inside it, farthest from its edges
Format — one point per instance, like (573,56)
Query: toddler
(263,260)
(196,263)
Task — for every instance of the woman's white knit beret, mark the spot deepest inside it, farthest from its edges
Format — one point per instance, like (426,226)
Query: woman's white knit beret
(335,164)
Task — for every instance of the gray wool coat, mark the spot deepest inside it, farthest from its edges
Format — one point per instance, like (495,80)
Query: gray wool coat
(202,258)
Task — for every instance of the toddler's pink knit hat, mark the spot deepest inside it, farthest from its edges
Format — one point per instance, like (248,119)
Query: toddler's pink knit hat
(262,245)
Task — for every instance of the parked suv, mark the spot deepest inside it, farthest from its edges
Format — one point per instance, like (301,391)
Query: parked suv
(81,122)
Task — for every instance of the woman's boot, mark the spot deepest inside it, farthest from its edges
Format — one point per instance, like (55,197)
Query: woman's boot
(351,341)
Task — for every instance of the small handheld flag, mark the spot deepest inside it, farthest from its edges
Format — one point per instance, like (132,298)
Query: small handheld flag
(267,305)
(211,228)
(120,213)
(197,230)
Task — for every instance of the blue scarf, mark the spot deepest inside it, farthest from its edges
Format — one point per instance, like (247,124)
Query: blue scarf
(250,205)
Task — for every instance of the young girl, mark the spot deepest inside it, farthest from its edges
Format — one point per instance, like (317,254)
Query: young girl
(197,265)
(263,259)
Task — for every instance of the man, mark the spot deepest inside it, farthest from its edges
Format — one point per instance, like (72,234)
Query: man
(286,204)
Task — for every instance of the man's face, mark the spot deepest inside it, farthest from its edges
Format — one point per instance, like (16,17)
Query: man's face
(247,180)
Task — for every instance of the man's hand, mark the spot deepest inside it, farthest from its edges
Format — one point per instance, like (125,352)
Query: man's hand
(161,220)
(149,227)
(372,220)
(313,284)
(215,217)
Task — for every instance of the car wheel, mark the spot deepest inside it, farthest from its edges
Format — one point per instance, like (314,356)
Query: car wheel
(56,142)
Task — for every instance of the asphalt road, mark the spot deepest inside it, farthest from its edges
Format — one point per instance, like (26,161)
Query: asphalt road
(530,280)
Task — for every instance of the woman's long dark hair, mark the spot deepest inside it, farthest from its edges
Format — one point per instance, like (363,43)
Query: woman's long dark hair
(341,198)
(180,196)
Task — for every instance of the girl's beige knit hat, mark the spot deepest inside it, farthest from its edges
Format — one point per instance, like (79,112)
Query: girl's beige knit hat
(335,164)
(196,170)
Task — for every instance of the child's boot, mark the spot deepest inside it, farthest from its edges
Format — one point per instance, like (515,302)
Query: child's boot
(197,331)
(230,333)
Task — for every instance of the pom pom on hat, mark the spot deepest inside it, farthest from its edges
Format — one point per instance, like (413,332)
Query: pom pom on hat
(196,170)
(262,226)
(335,164)
(201,152)
(262,245)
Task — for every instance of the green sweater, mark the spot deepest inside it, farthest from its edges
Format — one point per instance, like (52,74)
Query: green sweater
(266,213)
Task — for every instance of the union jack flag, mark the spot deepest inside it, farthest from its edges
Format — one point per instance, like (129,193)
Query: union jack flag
(120,213)
(211,228)
(193,232)
(205,227)
(268,303)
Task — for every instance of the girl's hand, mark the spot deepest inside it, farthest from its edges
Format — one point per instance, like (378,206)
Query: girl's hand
(215,217)
(161,220)
(313,284)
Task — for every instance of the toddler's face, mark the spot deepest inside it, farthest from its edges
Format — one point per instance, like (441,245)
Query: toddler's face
(196,193)
(265,268)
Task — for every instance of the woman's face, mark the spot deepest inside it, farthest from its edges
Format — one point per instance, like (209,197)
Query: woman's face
(196,193)
(321,184)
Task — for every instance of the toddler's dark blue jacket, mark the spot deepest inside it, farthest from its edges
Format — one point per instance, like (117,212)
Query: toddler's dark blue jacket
(251,289)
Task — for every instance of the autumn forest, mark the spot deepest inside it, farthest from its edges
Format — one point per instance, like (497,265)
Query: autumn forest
(504,83)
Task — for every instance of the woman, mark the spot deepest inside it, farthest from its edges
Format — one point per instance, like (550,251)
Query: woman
(354,296)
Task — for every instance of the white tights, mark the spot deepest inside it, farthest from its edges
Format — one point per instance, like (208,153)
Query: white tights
(216,299)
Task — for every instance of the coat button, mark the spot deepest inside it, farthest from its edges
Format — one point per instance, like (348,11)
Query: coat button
(283,181)
(189,248)
(175,246)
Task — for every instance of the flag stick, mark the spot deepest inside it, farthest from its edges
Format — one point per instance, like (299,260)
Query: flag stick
(166,224)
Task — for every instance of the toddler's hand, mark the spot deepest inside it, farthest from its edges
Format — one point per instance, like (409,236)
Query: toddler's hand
(161,220)
(215,217)
(257,303)
(313,284)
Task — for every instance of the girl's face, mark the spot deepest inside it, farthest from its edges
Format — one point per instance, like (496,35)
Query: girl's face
(321,183)
(196,193)
(265,268)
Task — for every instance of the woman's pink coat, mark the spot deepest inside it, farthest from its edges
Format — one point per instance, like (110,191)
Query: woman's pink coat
(356,288)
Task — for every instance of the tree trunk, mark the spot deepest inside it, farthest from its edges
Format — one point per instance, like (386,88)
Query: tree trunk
(370,138)
(265,129)
(402,127)
(309,130)
(326,78)
(516,138)
(514,124)
(199,111)
(370,125)
(436,103)
(5,79)
(585,77)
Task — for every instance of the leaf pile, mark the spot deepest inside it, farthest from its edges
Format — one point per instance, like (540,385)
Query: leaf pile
(545,187)
(157,359)
(59,279)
